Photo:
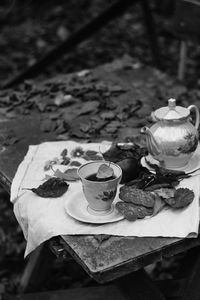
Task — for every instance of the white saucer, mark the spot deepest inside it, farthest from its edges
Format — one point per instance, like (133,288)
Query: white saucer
(193,164)
(77,208)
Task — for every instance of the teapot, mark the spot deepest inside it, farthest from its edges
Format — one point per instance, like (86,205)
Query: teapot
(173,139)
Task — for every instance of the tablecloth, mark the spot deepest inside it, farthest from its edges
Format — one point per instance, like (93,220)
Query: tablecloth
(42,218)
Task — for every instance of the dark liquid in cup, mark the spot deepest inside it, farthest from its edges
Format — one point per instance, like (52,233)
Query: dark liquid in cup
(93,177)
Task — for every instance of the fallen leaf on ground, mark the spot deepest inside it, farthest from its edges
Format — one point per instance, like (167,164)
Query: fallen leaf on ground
(89,107)
(47,125)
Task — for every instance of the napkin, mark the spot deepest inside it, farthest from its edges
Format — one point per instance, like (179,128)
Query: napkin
(42,218)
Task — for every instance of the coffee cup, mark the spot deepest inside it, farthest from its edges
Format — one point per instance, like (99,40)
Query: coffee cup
(99,194)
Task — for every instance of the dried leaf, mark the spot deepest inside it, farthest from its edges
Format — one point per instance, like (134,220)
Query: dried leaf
(116,89)
(64,152)
(65,161)
(159,205)
(47,125)
(182,198)
(105,171)
(46,177)
(88,107)
(63,137)
(113,126)
(69,175)
(165,193)
(108,115)
(85,127)
(75,163)
(60,126)
(62,100)
(92,155)
(83,73)
(8,139)
(52,188)
(62,32)
(49,163)
(41,106)
(55,115)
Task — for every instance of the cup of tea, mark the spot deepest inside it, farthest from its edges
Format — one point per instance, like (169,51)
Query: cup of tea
(99,192)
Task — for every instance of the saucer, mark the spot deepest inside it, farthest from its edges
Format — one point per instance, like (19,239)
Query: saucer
(192,165)
(77,208)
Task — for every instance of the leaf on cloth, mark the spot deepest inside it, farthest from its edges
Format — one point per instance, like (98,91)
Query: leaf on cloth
(68,175)
(159,204)
(46,177)
(65,161)
(52,188)
(92,155)
(75,163)
(105,171)
(49,163)
(64,152)
(182,198)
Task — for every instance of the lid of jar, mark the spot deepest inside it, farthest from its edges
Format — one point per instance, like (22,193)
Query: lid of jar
(171,112)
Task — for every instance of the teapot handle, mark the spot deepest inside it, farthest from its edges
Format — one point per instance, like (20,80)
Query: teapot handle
(195,108)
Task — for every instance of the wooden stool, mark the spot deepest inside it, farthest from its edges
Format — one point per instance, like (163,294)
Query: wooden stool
(186,25)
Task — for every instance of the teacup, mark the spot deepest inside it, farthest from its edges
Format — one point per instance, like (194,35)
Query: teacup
(99,194)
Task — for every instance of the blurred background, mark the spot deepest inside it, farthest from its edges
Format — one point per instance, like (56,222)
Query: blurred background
(30,29)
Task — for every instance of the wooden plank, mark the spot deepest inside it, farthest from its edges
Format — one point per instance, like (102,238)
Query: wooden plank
(107,259)
(186,23)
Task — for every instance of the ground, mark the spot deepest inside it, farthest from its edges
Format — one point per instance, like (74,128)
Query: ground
(29,29)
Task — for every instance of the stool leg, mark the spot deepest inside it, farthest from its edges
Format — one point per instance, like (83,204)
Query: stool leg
(151,31)
(138,285)
(37,269)
(190,271)
(182,61)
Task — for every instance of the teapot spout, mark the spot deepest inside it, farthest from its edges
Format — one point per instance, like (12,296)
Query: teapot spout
(152,145)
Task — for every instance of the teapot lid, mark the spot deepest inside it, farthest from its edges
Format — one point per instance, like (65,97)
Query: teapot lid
(171,112)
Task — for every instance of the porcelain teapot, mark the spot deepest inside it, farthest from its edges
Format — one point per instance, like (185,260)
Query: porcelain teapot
(173,139)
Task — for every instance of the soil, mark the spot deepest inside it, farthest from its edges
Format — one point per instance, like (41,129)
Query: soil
(29,29)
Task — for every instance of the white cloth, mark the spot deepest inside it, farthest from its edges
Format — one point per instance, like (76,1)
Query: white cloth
(43,218)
